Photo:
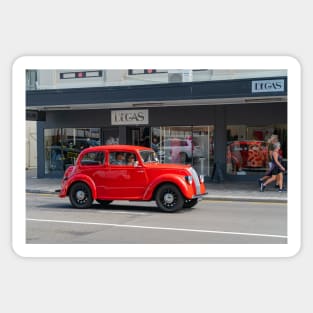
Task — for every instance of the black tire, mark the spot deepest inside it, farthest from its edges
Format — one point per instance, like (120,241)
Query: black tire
(169,198)
(104,202)
(190,203)
(80,196)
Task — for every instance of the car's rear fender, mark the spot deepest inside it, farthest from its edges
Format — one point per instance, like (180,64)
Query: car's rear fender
(84,179)
(179,181)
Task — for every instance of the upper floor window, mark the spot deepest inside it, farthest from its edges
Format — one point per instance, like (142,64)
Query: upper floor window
(31,79)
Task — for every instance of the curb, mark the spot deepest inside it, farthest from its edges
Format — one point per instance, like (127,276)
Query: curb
(245,199)
(216,198)
(41,191)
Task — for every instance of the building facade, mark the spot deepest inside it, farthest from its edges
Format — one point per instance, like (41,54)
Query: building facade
(217,120)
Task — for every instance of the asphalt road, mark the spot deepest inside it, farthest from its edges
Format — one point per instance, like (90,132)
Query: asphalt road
(53,220)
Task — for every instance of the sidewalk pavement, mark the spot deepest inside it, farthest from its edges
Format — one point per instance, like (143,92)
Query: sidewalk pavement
(228,190)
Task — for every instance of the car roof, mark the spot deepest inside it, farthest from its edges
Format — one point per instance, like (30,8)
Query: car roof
(116,148)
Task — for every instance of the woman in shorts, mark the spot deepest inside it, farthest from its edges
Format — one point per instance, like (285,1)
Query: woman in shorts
(277,169)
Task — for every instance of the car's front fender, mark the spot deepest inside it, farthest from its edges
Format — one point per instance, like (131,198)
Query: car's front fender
(178,180)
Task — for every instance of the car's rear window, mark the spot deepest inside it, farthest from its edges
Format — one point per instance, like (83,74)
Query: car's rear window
(93,158)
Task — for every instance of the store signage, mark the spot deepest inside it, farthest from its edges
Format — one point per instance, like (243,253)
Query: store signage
(275,85)
(130,117)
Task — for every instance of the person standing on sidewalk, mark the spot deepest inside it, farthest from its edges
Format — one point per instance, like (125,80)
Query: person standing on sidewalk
(277,169)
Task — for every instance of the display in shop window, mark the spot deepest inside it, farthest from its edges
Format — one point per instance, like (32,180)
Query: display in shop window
(247,148)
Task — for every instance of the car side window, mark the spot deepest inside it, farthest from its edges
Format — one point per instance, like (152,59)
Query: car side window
(93,158)
(122,158)
(130,159)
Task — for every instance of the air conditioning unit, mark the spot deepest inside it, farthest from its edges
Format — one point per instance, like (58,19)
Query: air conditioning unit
(179,76)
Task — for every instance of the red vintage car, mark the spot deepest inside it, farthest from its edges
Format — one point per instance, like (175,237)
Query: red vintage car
(123,172)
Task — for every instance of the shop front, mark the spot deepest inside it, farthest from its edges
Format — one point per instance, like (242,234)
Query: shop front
(239,148)
(215,131)
(172,144)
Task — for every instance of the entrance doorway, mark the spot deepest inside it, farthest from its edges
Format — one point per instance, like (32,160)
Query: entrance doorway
(138,136)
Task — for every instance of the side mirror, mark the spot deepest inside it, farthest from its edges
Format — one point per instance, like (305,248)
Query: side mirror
(136,164)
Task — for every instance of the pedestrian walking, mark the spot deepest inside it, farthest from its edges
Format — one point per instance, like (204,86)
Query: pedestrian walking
(270,148)
(277,170)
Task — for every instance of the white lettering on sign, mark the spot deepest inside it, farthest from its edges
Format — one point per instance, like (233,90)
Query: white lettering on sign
(268,85)
(129,117)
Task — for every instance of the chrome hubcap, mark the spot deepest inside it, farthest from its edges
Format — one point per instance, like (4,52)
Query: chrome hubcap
(168,198)
(80,195)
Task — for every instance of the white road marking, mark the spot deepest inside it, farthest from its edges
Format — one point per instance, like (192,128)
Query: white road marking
(123,212)
(158,228)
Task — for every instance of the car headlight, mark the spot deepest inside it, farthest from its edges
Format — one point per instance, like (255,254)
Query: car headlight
(201,178)
(189,179)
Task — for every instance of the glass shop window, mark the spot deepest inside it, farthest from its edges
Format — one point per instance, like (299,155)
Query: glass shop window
(247,148)
(185,145)
(63,145)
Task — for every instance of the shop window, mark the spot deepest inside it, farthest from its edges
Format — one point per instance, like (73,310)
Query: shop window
(185,145)
(62,146)
(110,136)
(247,148)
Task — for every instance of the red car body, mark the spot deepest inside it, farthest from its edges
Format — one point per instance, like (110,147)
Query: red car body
(97,175)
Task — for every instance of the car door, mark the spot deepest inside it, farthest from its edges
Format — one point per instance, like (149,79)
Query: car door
(125,180)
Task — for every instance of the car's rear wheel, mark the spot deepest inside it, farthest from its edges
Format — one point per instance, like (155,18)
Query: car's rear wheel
(169,198)
(80,196)
(190,203)
(104,202)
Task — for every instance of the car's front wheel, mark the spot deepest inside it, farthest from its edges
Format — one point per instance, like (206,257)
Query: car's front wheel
(80,196)
(169,198)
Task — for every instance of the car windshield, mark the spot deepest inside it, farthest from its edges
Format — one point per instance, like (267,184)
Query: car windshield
(148,156)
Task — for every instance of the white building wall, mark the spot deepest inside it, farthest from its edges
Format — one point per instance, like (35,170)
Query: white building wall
(50,79)
(31,145)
